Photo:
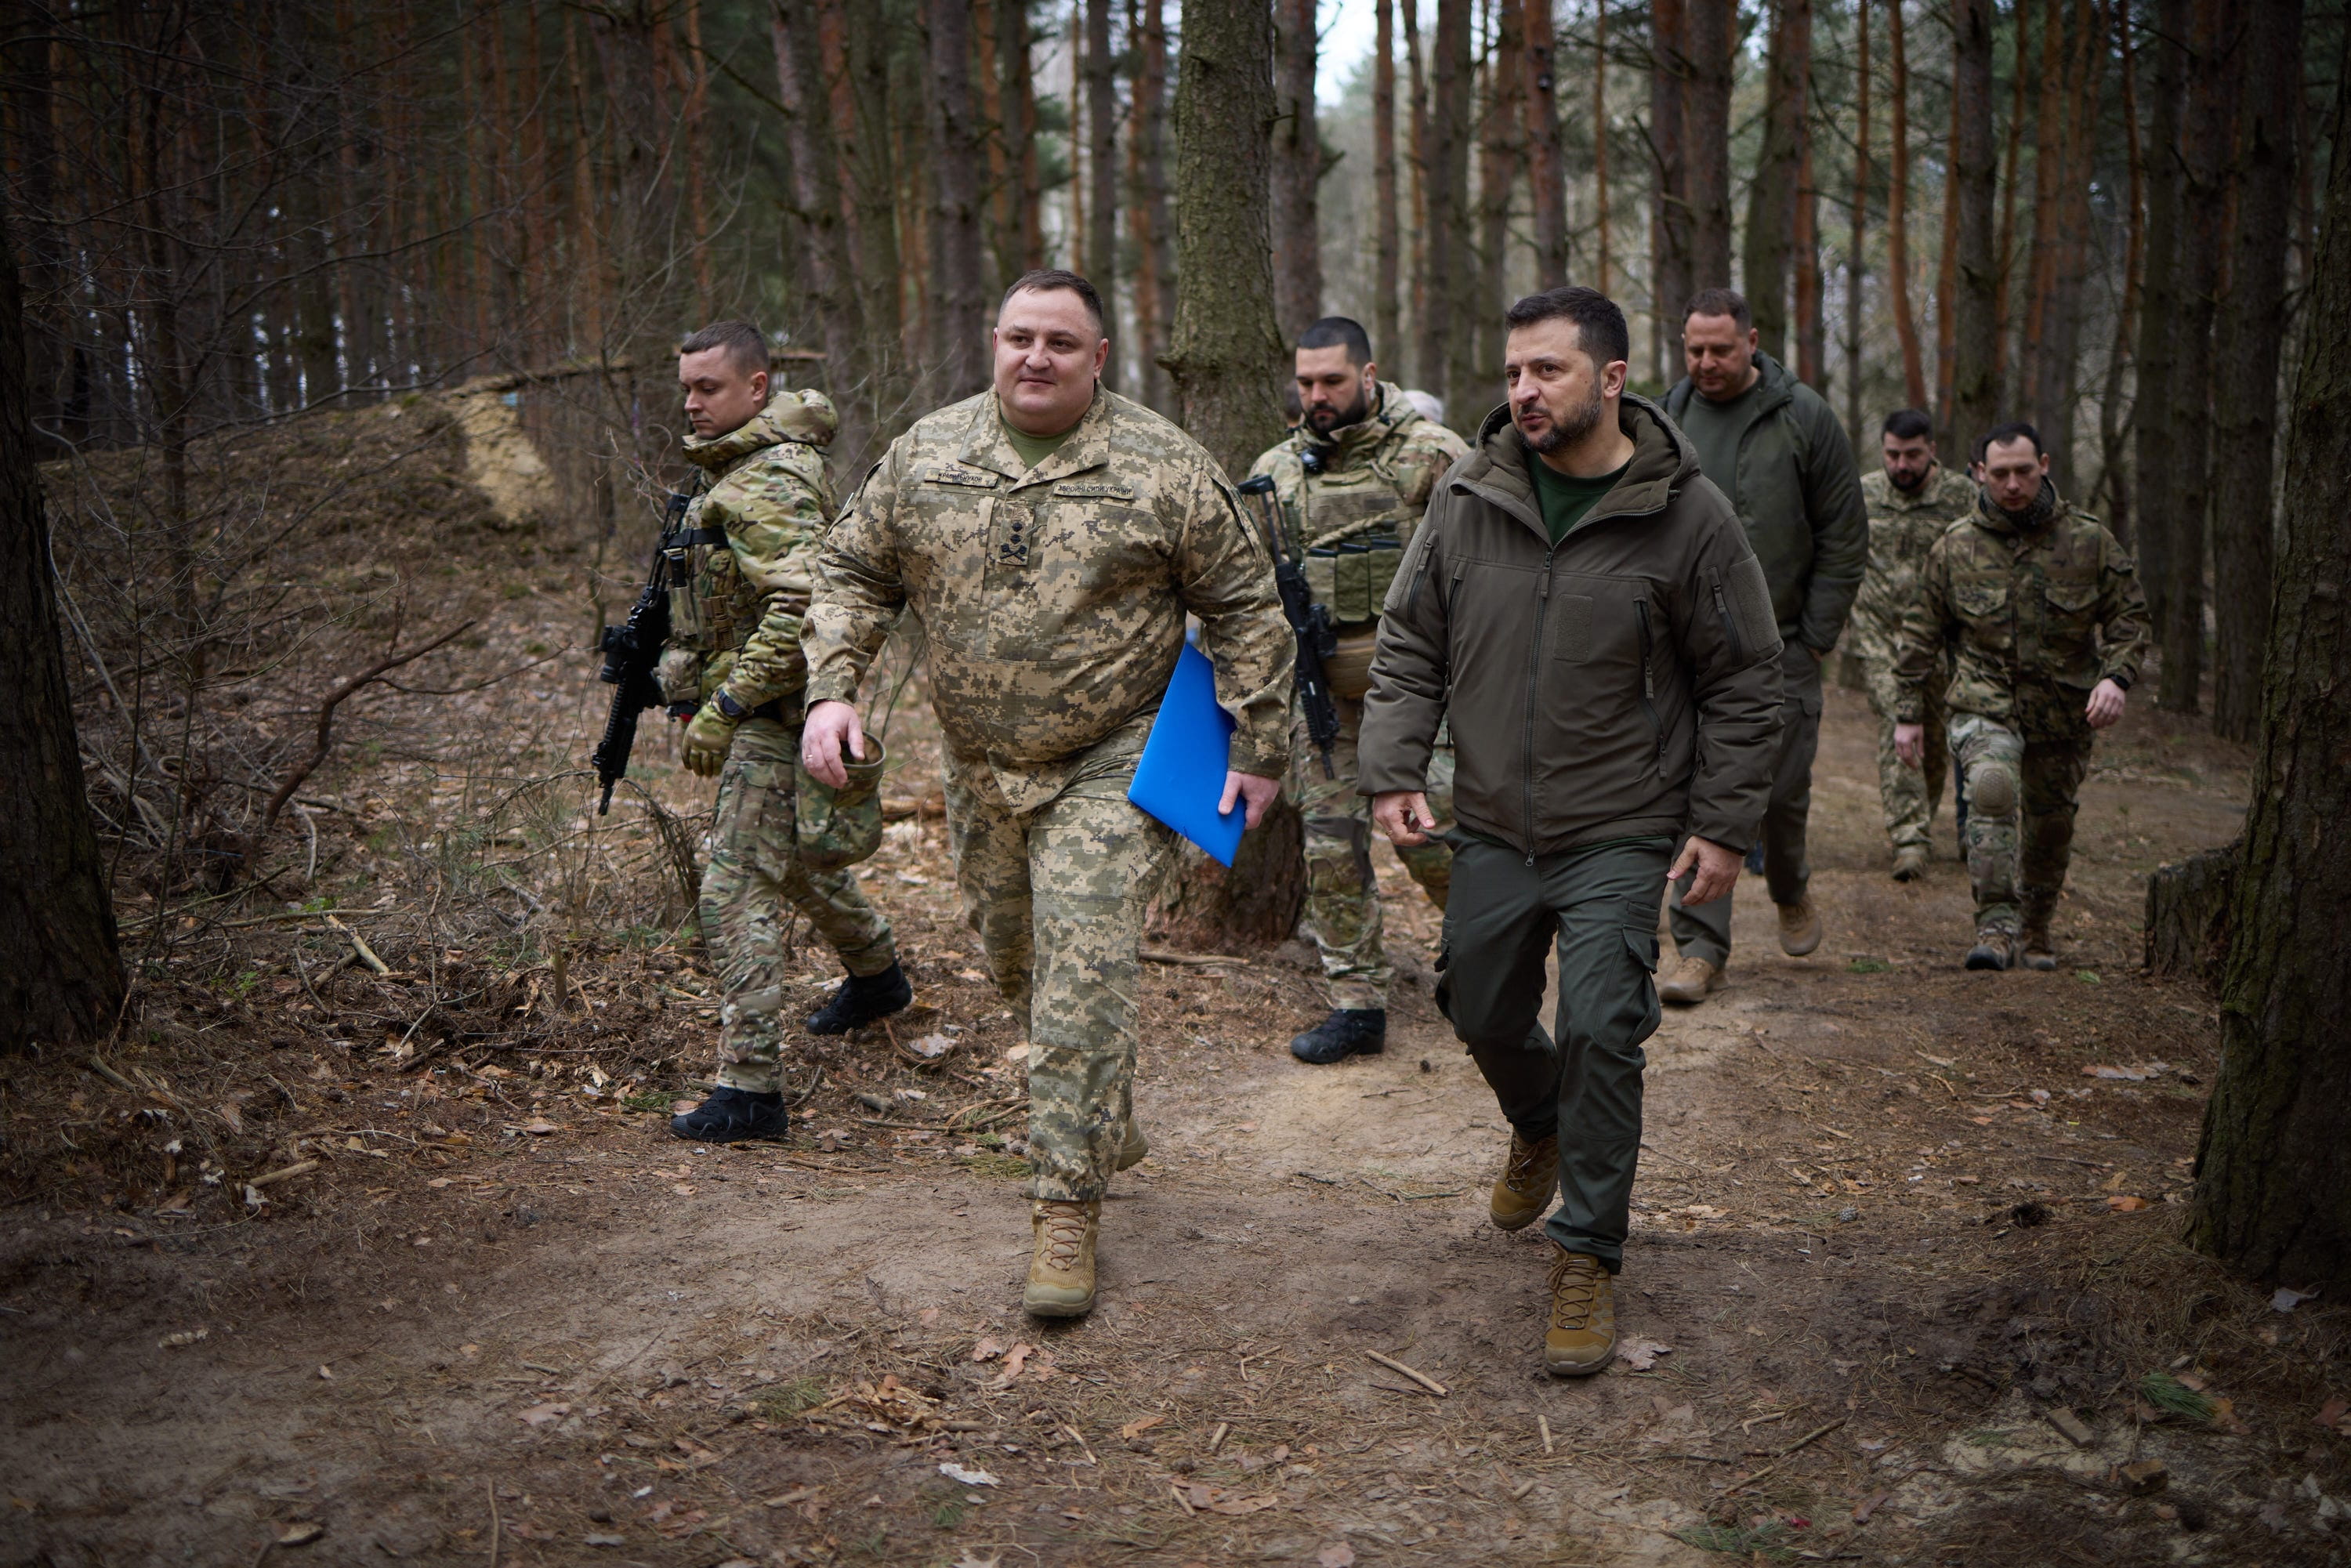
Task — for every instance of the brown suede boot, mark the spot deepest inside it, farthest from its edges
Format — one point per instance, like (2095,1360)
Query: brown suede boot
(1688,981)
(1529,1177)
(1583,1333)
(1061,1269)
(1133,1151)
(1800,927)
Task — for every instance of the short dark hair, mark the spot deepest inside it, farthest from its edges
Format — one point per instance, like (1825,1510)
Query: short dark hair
(1909,424)
(746,345)
(1046,279)
(2014,429)
(1599,324)
(1720,302)
(1335,331)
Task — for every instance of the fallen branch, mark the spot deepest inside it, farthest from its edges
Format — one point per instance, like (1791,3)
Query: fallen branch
(1420,1377)
(1787,1452)
(359,945)
(326,735)
(1197,960)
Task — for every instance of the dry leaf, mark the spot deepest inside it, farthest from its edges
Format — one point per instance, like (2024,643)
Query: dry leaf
(2286,1299)
(1137,1427)
(1338,1554)
(1639,1353)
(301,1532)
(987,1349)
(2331,1413)
(540,1414)
(541,1127)
(2126,1204)
(930,1046)
(956,1472)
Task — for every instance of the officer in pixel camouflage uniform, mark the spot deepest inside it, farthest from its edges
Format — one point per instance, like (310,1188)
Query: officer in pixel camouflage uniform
(1353,479)
(739,571)
(1911,501)
(2042,610)
(1050,537)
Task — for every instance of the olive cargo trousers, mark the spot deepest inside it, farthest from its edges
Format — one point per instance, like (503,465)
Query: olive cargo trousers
(1599,906)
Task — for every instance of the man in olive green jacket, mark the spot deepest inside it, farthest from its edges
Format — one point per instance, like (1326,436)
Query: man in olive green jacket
(1584,609)
(1771,445)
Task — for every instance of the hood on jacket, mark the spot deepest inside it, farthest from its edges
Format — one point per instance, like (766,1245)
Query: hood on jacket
(1663,462)
(1775,384)
(791,415)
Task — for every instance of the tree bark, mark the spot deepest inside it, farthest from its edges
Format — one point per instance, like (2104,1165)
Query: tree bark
(1670,272)
(958,349)
(1297,171)
(1147,202)
(1975,382)
(1855,262)
(1426,372)
(2019,79)
(1898,215)
(2205,164)
(1603,258)
(1772,198)
(2158,501)
(2040,271)
(2189,907)
(2113,473)
(1501,151)
(1812,345)
(826,271)
(2274,1184)
(1020,126)
(1546,164)
(1448,180)
(1709,30)
(1227,361)
(2245,362)
(1101,174)
(60,960)
(1387,320)
(2058,331)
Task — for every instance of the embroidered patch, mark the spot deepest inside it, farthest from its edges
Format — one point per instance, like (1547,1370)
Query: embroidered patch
(959,473)
(1095,489)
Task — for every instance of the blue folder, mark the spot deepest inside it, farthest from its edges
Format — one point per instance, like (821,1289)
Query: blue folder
(1181,776)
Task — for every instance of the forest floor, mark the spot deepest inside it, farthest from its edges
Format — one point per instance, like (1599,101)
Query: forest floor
(1906,1283)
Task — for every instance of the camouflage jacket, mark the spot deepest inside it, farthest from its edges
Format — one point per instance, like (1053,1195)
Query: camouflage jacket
(1902,528)
(739,585)
(1373,480)
(1054,598)
(2034,618)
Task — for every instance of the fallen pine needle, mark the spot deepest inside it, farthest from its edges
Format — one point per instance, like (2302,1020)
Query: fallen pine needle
(1420,1377)
(1185,1503)
(1543,1424)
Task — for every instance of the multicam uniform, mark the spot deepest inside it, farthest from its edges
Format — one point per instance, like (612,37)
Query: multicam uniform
(1903,526)
(1351,520)
(2037,610)
(740,571)
(1054,600)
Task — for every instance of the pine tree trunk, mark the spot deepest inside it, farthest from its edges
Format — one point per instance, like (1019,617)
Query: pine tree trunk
(1426,372)
(1226,361)
(826,271)
(2205,162)
(2245,362)
(1898,215)
(2158,499)
(2020,82)
(1387,320)
(1669,212)
(1297,171)
(1546,165)
(1855,264)
(1501,151)
(60,963)
(2273,1187)
(1772,198)
(1020,117)
(1147,202)
(1975,381)
(2056,366)
(1448,181)
(958,343)
(1102,172)
(1709,31)
(1812,344)
(1603,259)
(2115,474)
(2040,271)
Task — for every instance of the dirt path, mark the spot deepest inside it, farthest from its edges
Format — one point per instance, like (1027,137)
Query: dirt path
(1887,1224)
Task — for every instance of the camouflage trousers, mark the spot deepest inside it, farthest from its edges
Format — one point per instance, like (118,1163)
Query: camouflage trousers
(755,878)
(1342,897)
(1908,794)
(1059,895)
(2021,801)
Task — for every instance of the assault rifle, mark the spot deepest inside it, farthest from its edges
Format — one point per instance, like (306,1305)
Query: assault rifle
(1310,622)
(632,651)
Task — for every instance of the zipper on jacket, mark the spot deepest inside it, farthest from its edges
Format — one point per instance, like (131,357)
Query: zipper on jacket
(1730,627)
(1534,671)
(1649,678)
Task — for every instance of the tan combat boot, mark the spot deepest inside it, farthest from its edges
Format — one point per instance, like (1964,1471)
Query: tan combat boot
(1061,1269)
(1910,863)
(1800,927)
(1530,1176)
(1689,980)
(1131,1152)
(1583,1333)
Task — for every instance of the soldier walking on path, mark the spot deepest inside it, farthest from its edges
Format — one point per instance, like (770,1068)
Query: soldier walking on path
(739,571)
(1911,501)
(1772,446)
(1584,608)
(1353,480)
(1049,536)
(2041,608)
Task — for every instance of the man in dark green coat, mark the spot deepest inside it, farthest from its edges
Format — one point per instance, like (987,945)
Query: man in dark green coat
(1770,444)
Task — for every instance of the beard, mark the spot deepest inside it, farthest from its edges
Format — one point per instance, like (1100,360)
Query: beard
(1570,427)
(1323,421)
(1909,486)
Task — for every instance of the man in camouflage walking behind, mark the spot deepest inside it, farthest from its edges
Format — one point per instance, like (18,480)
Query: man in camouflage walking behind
(1911,501)
(739,574)
(2042,610)
(1050,537)
(1353,480)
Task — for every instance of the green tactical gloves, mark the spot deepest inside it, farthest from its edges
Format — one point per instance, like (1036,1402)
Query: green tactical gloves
(708,739)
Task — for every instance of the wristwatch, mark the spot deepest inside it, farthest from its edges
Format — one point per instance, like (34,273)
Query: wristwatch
(736,712)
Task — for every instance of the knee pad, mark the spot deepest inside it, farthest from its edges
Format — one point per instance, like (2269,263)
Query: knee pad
(1991,788)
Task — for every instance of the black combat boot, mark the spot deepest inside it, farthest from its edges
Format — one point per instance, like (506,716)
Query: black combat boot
(861,1000)
(1349,1032)
(730,1115)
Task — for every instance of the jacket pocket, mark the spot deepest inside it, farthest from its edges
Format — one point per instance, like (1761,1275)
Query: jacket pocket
(1977,597)
(1574,641)
(2070,597)
(1649,675)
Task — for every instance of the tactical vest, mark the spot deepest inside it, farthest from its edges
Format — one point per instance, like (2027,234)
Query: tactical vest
(1352,534)
(713,607)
